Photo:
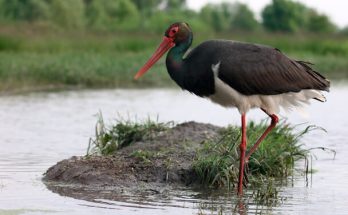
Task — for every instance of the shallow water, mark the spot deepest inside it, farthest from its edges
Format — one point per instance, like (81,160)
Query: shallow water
(39,129)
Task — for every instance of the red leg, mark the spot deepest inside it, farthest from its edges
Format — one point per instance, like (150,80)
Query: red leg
(242,156)
(263,136)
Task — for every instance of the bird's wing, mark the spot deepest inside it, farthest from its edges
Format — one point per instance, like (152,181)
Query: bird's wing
(255,69)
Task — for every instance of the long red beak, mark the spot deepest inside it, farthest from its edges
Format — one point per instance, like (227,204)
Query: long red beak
(165,45)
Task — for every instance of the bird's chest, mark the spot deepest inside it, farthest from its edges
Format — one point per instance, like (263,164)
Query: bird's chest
(194,78)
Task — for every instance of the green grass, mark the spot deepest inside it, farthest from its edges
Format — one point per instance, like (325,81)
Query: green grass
(145,155)
(217,164)
(38,58)
(75,69)
(8,43)
(123,133)
(22,71)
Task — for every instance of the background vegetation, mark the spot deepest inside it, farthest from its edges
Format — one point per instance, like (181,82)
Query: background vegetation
(102,43)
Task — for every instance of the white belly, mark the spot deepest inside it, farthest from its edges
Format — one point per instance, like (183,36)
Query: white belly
(228,97)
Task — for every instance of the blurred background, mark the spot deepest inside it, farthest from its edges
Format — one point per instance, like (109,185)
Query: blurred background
(60,44)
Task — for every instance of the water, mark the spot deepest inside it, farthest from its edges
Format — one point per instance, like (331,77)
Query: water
(39,129)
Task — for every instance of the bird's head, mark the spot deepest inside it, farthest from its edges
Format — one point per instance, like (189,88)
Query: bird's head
(175,34)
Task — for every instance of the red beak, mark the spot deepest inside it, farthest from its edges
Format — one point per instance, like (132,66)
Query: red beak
(165,45)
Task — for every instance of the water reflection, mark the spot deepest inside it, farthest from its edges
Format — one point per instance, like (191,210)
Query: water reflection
(169,198)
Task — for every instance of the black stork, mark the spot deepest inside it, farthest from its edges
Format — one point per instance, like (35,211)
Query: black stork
(241,75)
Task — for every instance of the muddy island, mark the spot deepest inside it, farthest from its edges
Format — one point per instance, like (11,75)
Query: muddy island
(152,157)
(162,159)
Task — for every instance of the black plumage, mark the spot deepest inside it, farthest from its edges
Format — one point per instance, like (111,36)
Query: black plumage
(248,68)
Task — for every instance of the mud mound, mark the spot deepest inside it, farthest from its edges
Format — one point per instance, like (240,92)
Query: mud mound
(166,159)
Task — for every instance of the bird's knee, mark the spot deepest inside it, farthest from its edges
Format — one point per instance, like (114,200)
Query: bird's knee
(275,119)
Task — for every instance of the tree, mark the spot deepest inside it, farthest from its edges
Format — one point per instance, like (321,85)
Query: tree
(96,15)
(177,5)
(344,31)
(244,19)
(288,16)
(283,15)
(218,16)
(67,13)
(319,23)
(116,14)
(146,9)
(38,10)
(226,16)
(148,5)
(24,10)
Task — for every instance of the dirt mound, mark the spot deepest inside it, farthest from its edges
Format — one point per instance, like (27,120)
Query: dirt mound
(164,159)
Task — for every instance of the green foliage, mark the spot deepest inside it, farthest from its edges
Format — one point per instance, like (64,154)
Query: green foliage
(146,6)
(111,15)
(80,59)
(289,16)
(283,15)
(218,162)
(217,15)
(276,157)
(122,134)
(67,13)
(9,43)
(160,20)
(319,23)
(175,5)
(145,155)
(344,31)
(96,14)
(244,19)
(226,17)
(24,10)
(152,15)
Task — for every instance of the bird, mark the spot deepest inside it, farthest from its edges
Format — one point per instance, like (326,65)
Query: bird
(238,75)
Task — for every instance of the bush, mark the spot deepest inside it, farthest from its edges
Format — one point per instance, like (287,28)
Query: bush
(319,23)
(29,10)
(111,15)
(244,19)
(283,15)
(288,16)
(67,13)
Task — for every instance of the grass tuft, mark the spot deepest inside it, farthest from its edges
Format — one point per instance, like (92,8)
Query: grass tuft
(145,155)
(217,163)
(121,134)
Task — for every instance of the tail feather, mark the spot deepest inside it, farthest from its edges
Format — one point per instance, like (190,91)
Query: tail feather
(322,83)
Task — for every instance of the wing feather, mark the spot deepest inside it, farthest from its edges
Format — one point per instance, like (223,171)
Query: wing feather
(255,69)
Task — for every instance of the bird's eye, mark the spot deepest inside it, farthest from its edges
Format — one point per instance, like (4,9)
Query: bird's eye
(172,31)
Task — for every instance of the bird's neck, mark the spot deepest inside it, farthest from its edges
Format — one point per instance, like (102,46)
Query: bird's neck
(175,61)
